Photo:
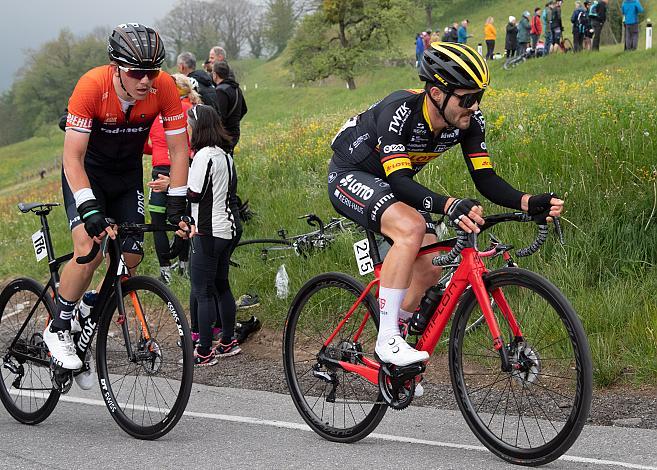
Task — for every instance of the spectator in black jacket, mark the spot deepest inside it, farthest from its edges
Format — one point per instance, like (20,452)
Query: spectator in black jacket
(598,17)
(511,40)
(187,66)
(232,106)
(454,32)
(218,54)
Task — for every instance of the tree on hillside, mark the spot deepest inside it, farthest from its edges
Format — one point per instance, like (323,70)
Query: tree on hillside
(429,6)
(281,18)
(343,37)
(189,26)
(44,84)
(255,33)
(196,26)
(280,23)
(233,19)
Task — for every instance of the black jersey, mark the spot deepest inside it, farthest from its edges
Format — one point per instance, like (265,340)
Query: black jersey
(396,133)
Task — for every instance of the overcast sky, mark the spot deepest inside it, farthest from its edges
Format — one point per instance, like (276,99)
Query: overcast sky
(30,23)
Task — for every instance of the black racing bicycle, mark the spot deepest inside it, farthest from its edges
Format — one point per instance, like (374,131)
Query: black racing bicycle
(143,351)
(303,244)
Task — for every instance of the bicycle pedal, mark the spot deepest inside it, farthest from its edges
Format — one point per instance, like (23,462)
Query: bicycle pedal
(62,379)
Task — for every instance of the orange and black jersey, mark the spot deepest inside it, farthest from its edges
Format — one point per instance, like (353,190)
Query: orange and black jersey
(117,136)
(396,134)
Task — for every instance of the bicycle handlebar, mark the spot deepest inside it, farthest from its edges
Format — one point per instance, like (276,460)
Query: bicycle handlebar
(127,229)
(465,240)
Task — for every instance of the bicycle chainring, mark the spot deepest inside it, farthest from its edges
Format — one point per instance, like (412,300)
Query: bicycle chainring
(397,386)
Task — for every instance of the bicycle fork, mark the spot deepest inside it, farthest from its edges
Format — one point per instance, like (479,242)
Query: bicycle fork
(483,298)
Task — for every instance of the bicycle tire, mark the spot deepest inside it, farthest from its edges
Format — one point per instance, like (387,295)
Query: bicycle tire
(18,297)
(301,346)
(542,366)
(166,360)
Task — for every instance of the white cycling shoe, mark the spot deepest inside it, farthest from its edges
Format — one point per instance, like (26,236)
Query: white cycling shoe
(86,379)
(397,351)
(62,349)
(419,390)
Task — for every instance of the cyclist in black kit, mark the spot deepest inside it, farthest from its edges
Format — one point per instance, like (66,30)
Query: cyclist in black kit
(377,154)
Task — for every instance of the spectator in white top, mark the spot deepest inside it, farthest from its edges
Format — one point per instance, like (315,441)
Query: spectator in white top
(211,185)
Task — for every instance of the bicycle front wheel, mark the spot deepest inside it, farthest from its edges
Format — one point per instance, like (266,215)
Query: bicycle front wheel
(338,405)
(532,414)
(26,389)
(145,359)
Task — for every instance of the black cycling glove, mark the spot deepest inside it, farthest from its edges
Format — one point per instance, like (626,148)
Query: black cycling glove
(177,210)
(538,206)
(460,208)
(92,215)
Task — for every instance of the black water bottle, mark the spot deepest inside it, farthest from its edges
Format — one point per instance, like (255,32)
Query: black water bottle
(428,305)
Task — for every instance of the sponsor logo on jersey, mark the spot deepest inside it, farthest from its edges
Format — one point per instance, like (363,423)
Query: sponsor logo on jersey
(422,158)
(110,119)
(76,121)
(450,135)
(172,118)
(379,204)
(140,203)
(396,148)
(124,130)
(396,164)
(399,118)
(358,141)
(348,202)
(332,176)
(427,203)
(480,163)
(483,146)
(356,188)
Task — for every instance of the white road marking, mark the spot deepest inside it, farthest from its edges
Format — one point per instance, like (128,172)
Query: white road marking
(384,437)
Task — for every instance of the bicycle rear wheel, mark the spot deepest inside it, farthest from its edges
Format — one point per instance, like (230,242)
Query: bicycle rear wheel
(338,405)
(534,413)
(26,389)
(147,390)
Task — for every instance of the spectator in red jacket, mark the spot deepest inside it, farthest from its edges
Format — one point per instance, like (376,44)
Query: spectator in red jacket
(536,28)
(156,146)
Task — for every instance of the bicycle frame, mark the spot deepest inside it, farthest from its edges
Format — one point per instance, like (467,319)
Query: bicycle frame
(109,286)
(469,272)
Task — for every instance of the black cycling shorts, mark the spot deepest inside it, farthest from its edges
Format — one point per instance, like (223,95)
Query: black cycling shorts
(120,195)
(363,197)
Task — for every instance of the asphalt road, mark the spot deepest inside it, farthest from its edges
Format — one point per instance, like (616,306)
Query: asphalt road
(234,428)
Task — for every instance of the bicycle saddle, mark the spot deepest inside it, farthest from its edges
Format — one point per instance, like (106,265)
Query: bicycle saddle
(25,207)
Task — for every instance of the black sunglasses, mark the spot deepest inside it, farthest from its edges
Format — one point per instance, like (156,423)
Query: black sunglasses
(467,101)
(138,74)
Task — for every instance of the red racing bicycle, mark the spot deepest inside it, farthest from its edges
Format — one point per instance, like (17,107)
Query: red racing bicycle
(523,384)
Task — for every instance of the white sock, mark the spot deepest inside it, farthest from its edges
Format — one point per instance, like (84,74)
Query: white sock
(389,303)
(404,315)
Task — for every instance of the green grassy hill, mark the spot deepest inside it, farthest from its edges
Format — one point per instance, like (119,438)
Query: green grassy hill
(583,126)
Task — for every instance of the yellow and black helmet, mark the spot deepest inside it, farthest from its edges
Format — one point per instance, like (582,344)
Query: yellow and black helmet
(451,65)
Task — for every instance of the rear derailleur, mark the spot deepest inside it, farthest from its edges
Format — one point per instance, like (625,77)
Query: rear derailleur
(397,383)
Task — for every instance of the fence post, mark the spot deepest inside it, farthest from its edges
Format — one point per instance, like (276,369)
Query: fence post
(649,34)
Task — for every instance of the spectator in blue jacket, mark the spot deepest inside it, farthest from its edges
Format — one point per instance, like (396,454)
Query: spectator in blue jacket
(631,11)
(463,32)
(419,49)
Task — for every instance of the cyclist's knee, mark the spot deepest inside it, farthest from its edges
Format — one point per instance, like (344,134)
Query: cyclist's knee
(405,228)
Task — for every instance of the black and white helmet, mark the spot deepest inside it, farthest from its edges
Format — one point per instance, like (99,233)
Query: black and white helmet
(136,45)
